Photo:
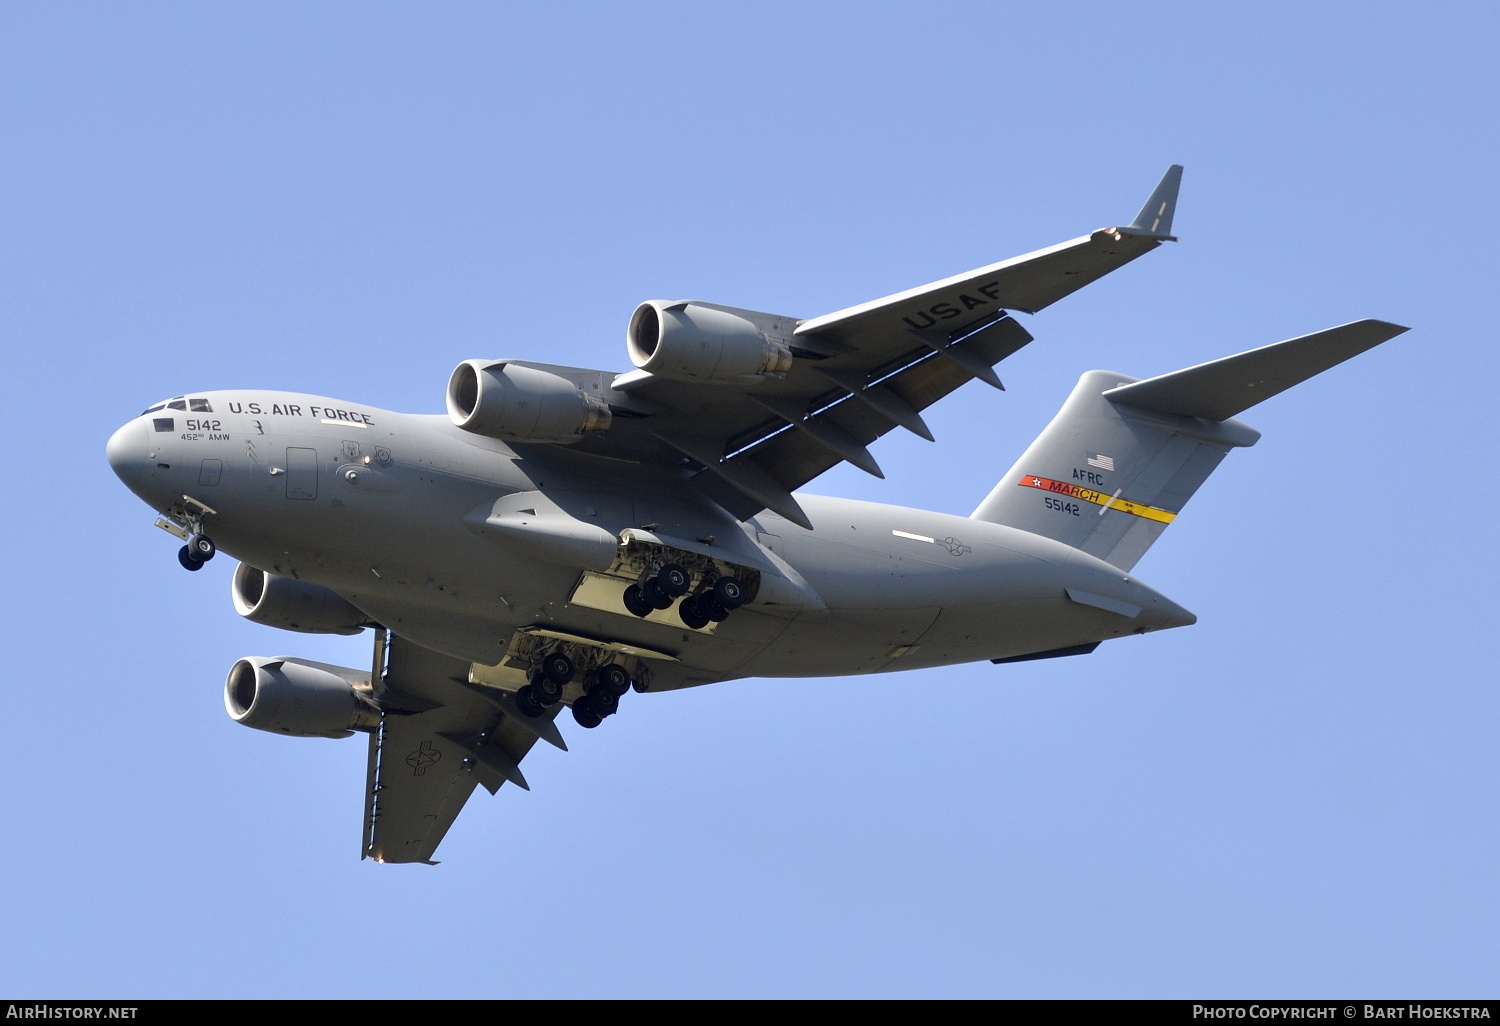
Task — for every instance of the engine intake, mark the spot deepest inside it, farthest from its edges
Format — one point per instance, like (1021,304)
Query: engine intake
(299,697)
(694,342)
(291,604)
(522,404)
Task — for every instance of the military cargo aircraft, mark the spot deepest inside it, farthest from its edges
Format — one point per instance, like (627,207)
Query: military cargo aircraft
(566,536)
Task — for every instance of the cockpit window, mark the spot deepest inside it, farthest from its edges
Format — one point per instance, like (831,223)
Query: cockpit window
(200,406)
(176,403)
(163,423)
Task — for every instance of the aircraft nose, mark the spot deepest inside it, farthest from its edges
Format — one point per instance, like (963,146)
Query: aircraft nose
(126,453)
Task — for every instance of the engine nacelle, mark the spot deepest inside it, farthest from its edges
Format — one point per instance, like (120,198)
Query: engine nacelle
(522,404)
(299,697)
(693,342)
(291,604)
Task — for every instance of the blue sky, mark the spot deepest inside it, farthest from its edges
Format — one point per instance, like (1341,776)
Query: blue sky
(1295,797)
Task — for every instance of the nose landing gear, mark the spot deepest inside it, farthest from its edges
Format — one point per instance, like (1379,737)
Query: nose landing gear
(199,550)
(185,520)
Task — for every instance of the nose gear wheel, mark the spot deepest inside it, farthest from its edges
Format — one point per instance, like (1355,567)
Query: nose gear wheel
(185,520)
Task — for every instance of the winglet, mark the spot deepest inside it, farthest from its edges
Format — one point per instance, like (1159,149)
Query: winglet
(1155,218)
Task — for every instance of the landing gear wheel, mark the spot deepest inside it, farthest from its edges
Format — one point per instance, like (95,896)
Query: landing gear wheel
(185,557)
(584,715)
(672,580)
(654,594)
(527,702)
(729,592)
(602,702)
(546,690)
(557,668)
(712,607)
(692,614)
(202,547)
(636,602)
(613,677)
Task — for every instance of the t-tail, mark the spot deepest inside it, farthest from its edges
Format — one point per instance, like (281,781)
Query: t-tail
(1122,457)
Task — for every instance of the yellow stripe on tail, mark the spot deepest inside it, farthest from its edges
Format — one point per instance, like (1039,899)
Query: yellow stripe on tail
(1073,491)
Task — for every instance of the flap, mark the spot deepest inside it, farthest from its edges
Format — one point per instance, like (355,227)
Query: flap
(425,764)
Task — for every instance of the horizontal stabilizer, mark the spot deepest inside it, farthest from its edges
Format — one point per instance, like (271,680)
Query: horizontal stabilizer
(1224,388)
(1121,458)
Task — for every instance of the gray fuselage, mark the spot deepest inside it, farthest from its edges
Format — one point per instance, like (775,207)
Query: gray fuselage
(381,508)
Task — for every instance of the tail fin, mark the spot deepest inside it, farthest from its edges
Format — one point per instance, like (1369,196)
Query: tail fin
(1122,457)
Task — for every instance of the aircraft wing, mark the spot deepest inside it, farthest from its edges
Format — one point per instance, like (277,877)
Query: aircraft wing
(1027,283)
(857,373)
(425,761)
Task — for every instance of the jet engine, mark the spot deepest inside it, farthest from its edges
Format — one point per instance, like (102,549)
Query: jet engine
(694,342)
(299,697)
(522,404)
(291,604)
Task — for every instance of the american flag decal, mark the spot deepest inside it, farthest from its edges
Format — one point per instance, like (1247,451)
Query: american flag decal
(1102,461)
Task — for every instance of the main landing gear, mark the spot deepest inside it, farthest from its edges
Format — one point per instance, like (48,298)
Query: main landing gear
(713,601)
(657,590)
(601,697)
(602,689)
(549,677)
